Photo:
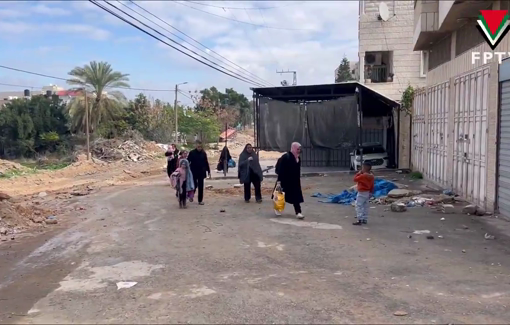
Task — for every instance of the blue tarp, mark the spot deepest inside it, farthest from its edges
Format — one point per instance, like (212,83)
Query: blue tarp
(382,188)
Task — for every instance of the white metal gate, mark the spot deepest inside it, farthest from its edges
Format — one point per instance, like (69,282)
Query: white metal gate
(470,136)
(418,129)
(437,130)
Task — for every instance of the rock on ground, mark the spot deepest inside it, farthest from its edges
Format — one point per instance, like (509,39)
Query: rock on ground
(470,209)
(399,193)
(398,207)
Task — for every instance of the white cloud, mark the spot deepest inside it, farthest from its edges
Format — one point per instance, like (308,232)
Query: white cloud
(49,11)
(329,30)
(8,29)
(11,13)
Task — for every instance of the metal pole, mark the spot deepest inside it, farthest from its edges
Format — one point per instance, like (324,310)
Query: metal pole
(87,124)
(360,124)
(175,108)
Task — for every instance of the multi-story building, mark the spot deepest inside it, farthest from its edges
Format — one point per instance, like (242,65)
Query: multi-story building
(461,120)
(387,62)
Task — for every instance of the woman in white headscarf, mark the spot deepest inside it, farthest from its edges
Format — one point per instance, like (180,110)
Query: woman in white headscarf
(288,169)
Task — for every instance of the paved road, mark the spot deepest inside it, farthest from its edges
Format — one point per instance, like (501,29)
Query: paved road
(202,265)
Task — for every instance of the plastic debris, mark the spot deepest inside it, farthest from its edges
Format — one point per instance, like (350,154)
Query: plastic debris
(125,285)
(421,232)
(382,188)
(489,237)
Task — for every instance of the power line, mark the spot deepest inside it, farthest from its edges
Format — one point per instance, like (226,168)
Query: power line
(238,8)
(175,48)
(235,75)
(184,94)
(66,79)
(182,39)
(240,21)
(262,39)
(215,63)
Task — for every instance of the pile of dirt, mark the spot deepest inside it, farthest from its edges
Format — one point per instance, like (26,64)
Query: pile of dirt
(237,144)
(15,218)
(7,166)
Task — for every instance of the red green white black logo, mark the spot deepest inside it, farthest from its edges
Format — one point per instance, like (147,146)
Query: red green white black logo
(493,24)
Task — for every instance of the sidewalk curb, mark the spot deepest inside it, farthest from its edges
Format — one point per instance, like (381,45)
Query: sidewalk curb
(309,174)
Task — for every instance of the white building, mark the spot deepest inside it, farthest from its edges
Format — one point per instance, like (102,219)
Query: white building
(387,62)
(461,121)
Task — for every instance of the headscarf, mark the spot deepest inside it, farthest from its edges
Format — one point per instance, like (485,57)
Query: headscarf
(254,164)
(225,154)
(293,148)
(189,176)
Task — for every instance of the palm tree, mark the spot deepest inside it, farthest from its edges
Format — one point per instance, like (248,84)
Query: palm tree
(96,79)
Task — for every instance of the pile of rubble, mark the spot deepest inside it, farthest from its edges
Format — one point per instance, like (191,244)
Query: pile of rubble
(14,218)
(401,199)
(133,149)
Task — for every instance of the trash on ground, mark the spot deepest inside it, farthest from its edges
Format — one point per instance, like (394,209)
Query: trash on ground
(421,232)
(125,285)
(430,237)
(398,207)
(400,313)
(489,237)
(449,192)
(382,188)
(442,219)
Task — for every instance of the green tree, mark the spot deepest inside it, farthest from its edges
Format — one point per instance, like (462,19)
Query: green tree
(344,71)
(32,126)
(137,114)
(98,78)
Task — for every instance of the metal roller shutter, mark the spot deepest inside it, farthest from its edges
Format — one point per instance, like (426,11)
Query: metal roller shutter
(503,198)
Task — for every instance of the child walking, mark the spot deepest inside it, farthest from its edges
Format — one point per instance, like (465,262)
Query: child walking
(365,180)
(182,180)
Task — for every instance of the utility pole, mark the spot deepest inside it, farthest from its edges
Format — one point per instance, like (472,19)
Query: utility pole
(87,123)
(176,113)
(294,75)
(225,162)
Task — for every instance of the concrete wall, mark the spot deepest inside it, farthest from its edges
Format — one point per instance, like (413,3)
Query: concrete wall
(395,35)
(461,65)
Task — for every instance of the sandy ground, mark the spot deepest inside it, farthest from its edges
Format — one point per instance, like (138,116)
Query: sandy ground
(232,262)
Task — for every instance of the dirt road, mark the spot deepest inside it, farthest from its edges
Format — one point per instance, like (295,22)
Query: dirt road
(232,262)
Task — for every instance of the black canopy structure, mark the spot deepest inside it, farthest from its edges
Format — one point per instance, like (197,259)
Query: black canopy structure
(325,120)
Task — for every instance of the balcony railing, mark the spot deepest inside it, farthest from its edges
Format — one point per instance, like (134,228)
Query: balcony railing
(378,73)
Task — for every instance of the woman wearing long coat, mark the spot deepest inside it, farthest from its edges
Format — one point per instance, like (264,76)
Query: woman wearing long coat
(249,172)
(288,169)
(172,155)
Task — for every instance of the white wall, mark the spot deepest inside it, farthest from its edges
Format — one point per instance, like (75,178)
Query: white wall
(444,8)
(395,35)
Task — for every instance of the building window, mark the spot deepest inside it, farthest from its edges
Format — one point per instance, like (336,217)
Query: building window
(423,63)
(378,66)
(440,53)
(467,37)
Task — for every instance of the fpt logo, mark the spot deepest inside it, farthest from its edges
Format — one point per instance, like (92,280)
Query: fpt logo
(494,25)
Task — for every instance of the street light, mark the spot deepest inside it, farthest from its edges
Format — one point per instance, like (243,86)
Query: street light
(175,108)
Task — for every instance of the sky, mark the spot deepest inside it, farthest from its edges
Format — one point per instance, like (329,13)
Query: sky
(254,39)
